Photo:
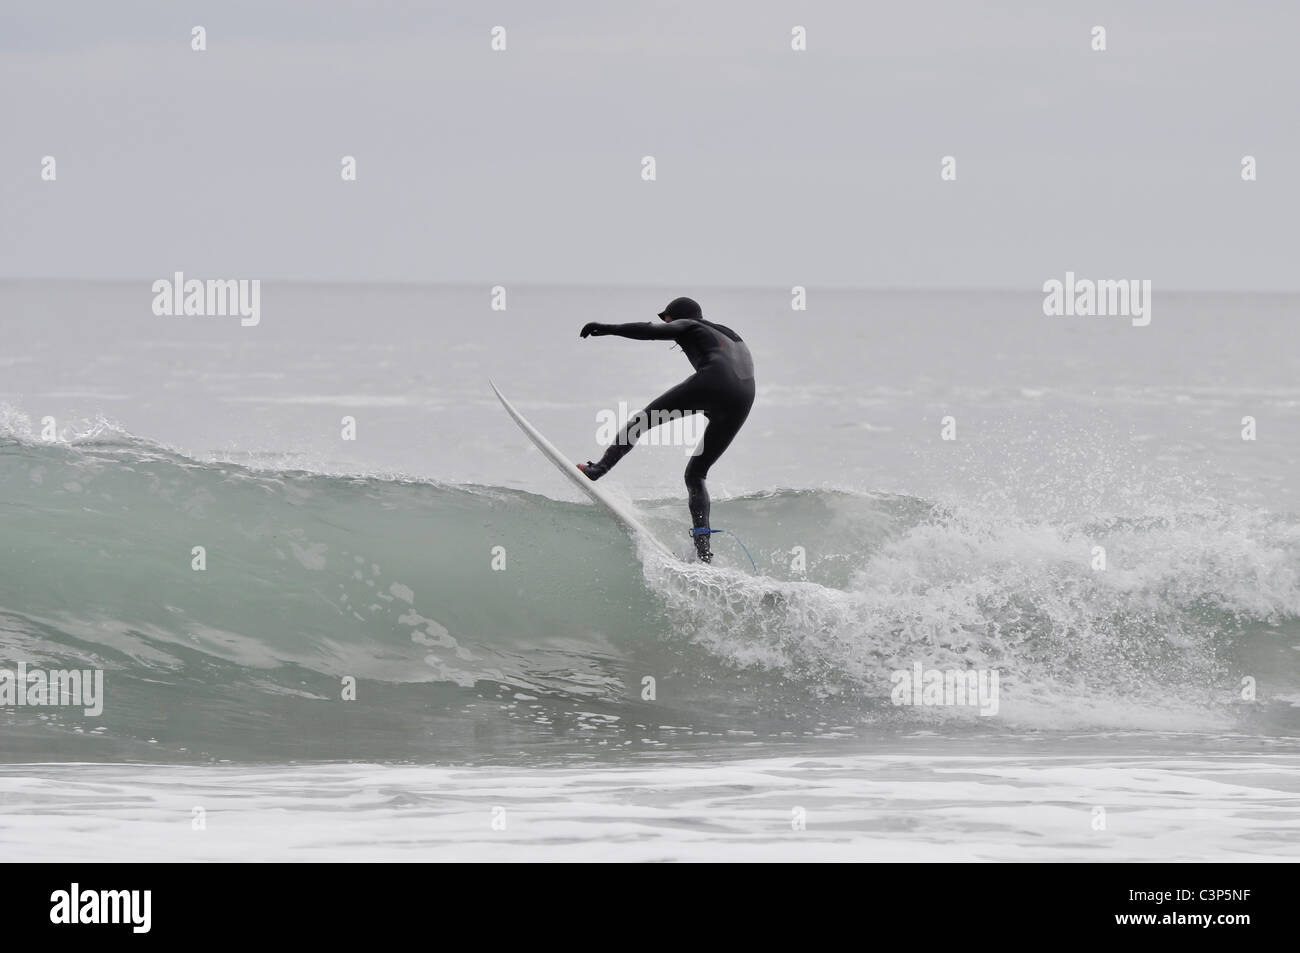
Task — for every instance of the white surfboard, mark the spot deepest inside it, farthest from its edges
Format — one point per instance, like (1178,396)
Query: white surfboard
(621,511)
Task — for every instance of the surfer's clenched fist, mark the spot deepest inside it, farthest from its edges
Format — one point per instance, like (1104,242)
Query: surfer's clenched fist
(592,327)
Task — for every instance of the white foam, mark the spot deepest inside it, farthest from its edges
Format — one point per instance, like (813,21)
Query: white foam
(899,807)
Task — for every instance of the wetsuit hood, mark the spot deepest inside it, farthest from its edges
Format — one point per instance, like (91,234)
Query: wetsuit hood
(687,308)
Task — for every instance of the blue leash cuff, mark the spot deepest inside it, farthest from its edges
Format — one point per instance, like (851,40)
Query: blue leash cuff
(705,531)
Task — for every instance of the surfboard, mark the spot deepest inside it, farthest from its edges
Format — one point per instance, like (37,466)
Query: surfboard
(622,512)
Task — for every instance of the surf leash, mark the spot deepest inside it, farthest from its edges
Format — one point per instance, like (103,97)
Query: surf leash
(705,531)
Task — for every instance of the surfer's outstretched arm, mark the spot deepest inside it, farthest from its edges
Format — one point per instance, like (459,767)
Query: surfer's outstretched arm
(639,330)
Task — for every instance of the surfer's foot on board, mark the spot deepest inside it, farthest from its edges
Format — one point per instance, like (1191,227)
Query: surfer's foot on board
(593,471)
(702,548)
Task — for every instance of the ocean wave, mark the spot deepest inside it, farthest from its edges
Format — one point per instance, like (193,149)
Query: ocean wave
(481,619)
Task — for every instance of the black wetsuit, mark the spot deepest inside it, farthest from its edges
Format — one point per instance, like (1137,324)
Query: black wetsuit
(722,388)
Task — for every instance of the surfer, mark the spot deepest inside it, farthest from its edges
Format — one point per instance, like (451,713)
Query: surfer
(722,389)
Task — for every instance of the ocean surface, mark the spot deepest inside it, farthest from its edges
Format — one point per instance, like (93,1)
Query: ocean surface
(530,683)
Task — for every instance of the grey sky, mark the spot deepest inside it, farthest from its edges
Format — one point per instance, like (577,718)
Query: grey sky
(774,167)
